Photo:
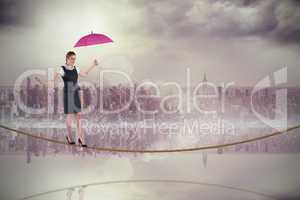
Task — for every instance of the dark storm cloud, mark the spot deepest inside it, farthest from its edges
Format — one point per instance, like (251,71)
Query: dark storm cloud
(16,12)
(274,19)
(249,2)
(7,13)
(243,3)
(288,198)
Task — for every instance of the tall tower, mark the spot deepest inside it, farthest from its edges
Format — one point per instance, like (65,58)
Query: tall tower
(27,91)
(204,86)
(204,78)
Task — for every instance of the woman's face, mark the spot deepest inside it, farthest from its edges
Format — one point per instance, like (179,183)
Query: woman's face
(71,60)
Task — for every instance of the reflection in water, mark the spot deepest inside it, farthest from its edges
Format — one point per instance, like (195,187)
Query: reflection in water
(69,193)
(176,185)
(204,158)
(81,192)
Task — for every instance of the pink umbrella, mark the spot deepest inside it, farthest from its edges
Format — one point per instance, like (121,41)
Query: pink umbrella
(92,39)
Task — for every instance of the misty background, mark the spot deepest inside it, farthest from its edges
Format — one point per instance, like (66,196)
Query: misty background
(241,40)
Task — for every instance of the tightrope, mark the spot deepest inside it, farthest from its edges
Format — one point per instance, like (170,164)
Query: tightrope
(217,146)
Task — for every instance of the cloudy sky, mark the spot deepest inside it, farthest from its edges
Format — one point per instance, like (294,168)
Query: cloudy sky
(239,40)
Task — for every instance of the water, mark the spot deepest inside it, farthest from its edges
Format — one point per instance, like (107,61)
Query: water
(263,176)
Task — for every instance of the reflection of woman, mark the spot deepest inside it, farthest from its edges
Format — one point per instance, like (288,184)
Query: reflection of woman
(72,102)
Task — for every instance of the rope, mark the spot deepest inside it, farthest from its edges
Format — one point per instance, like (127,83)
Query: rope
(217,146)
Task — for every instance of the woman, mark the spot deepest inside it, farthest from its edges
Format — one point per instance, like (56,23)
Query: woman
(72,101)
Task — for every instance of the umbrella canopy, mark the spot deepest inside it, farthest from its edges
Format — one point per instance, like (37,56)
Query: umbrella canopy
(92,39)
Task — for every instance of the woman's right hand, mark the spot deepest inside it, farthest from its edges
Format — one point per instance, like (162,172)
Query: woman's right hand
(95,62)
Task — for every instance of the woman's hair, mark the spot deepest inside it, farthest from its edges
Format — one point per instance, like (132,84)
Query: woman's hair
(69,54)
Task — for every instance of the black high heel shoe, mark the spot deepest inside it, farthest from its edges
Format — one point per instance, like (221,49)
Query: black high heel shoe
(69,141)
(81,144)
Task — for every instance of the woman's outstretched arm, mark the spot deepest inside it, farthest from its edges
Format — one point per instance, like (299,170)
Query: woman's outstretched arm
(86,72)
(56,76)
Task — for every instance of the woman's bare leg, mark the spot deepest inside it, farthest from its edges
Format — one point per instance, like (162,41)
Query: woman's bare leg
(78,119)
(79,128)
(69,120)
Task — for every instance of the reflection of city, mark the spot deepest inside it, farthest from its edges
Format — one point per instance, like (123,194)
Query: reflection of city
(79,192)
(70,193)
(237,110)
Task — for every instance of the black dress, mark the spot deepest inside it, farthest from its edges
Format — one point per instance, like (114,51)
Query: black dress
(71,90)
